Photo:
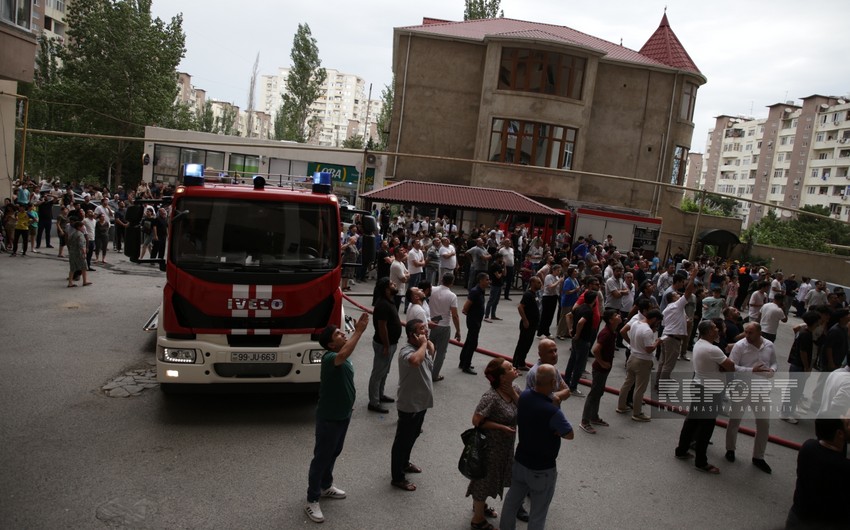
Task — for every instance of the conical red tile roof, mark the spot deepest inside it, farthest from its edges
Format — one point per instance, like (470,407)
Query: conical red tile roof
(664,47)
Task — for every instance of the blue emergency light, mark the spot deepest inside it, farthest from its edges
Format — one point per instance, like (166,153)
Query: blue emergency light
(193,174)
(322,182)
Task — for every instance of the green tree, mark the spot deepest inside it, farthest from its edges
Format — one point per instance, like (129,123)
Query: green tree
(205,119)
(119,69)
(803,232)
(43,152)
(303,87)
(386,115)
(477,9)
(692,205)
(226,123)
(353,142)
(182,118)
(725,204)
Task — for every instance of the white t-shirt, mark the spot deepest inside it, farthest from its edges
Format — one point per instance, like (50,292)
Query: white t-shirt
(414,255)
(441,302)
(417,311)
(675,322)
(448,258)
(397,270)
(508,255)
(771,314)
(641,338)
(757,300)
(706,361)
(775,287)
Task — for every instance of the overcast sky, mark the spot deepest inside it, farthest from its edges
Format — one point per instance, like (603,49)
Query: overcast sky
(754,52)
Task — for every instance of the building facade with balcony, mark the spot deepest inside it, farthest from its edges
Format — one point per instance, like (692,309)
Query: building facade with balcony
(799,155)
(17,64)
(537,97)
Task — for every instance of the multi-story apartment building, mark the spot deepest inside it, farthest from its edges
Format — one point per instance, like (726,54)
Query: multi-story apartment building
(17,63)
(341,109)
(799,155)
(49,18)
(260,124)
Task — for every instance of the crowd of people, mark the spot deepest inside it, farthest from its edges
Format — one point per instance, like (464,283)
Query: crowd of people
(88,219)
(723,313)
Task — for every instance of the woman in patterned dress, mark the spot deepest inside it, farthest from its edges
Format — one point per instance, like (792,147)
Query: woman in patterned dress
(496,413)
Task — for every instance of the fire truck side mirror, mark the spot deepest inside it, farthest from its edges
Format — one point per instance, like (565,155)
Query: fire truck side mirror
(370,226)
(368,250)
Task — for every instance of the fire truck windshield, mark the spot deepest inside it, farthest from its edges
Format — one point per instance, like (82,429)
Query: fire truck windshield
(251,235)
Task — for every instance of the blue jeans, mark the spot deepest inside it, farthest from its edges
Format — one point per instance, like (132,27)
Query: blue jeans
(493,301)
(380,368)
(577,362)
(330,437)
(540,485)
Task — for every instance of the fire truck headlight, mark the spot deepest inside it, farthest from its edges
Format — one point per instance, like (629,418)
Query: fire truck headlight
(315,356)
(179,355)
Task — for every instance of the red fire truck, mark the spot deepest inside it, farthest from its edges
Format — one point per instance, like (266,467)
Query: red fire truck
(253,276)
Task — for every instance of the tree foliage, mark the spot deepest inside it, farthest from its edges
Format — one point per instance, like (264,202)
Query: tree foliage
(713,205)
(386,115)
(117,73)
(226,123)
(303,87)
(804,232)
(205,119)
(708,208)
(353,142)
(478,9)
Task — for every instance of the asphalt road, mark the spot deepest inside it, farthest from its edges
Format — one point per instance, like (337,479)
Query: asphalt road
(72,457)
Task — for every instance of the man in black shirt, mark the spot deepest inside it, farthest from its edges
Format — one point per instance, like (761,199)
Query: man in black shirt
(529,314)
(474,311)
(384,343)
(822,489)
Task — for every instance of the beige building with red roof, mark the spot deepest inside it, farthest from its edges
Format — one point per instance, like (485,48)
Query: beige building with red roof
(539,97)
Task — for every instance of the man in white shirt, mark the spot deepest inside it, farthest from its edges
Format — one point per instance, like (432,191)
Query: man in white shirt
(772,313)
(757,300)
(777,286)
(443,305)
(448,258)
(708,361)
(675,328)
(643,341)
(415,263)
(756,355)
(398,274)
(415,309)
(103,208)
(507,253)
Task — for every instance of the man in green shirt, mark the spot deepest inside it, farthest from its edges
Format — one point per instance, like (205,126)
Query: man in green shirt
(336,399)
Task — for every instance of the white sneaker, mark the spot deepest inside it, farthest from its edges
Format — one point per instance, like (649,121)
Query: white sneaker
(792,420)
(314,512)
(333,493)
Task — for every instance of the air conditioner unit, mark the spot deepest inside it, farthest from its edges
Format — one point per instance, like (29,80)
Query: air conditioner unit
(371,159)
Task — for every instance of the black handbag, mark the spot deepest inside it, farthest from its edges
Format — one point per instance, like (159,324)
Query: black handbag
(473,459)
